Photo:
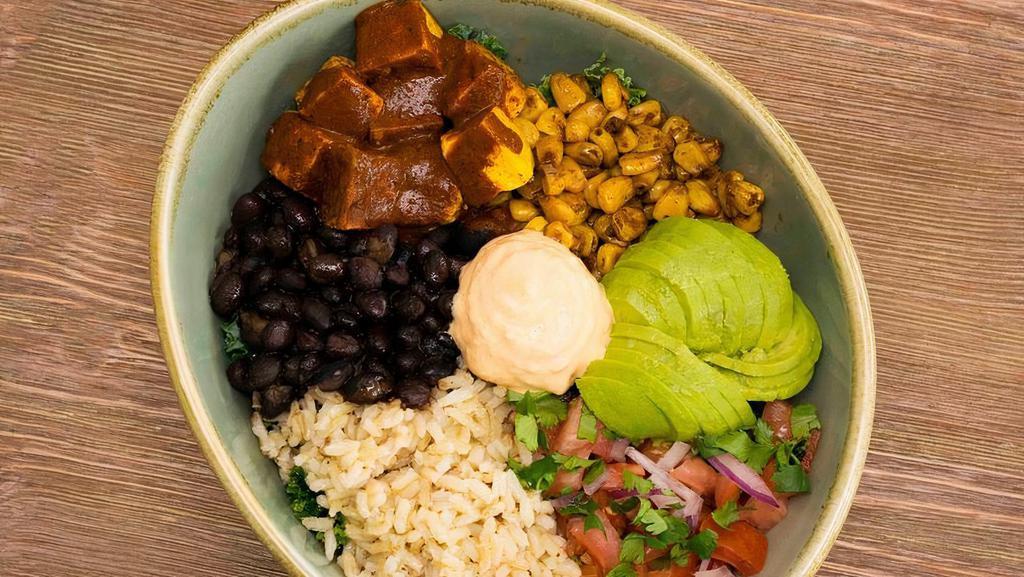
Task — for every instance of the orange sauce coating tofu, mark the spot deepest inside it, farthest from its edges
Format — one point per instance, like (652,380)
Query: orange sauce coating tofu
(337,99)
(478,80)
(406,184)
(296,151)
(488,156)
(397,34)
(412,105)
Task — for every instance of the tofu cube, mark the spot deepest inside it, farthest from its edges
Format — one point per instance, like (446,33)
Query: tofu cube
(488,156)
(478,80)
(295,153)
(412,106)
(337,99)
(397,34)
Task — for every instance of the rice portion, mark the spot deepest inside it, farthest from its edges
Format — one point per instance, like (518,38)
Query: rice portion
(425,492)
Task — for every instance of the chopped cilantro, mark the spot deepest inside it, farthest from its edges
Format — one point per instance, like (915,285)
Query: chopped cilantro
(680,555)
(537,475)
(727,514)
(634,482)
(586,508)
(763,433)
(703,543)
(738,444)
(622,570)
(626,505)
(572,462)
(594,471)
(480,36)
(527,431)
(588,426)
(632,549)
(596,71)
(790,478)
(804,419)
(233,345)
(548,409)
(652,520)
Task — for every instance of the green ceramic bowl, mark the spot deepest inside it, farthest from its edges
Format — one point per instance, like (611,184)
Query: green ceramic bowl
(212,157)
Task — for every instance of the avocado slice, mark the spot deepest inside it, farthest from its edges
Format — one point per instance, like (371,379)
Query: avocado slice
(623,403)
(778,293)
(642,419)
(801,343)
(702,303)
(719,405)
(680,406)
(738,279)
(650,295)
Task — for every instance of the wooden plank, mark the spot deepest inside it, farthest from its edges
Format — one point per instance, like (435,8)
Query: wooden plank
(912,114)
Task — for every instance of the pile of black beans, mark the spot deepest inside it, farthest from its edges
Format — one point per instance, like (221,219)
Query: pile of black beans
(363,313)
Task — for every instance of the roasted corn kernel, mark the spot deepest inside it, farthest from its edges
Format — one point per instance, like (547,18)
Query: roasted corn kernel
(590,191)
(551,121)
(675,202)
(712,148)
(557,210)
(567,94)
(612,92)
(549,150)
(560,232)
(551,180)
(634,163)
(747,197)
(626,140)
(604,140)
(572,174)
(629,223)
(607,255)
(532,189)
(537,223)
(647,112)
(576,131)
(614,193)
(585,153)
(527,130)
(659,188)
(584,85)
(750,223)
(535,104)
(586,240)
(590,113)
(643,182)
(701,199)
(650,138)
(676,127)
(691,158)
(522,210)
(615,120)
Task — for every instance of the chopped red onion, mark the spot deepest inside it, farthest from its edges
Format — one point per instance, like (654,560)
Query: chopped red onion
(618,494)
(719,572)
(662,480)
(745,477)
(618,450)
(562,502)
(675,455)
(704,565)
(665,501)
(595,485)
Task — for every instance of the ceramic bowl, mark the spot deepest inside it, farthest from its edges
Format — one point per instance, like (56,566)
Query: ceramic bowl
(212,157)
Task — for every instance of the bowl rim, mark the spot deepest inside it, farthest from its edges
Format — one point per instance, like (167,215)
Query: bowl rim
(206,89)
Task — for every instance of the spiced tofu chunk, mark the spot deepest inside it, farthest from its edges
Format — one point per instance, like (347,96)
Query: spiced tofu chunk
(296,152)
(397,34)
(337,99)
(412,105)
(478,80)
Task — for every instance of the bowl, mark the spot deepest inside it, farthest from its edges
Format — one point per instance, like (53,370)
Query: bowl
(212,157)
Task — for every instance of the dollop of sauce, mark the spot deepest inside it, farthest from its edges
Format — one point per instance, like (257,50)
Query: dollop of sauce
(528,315)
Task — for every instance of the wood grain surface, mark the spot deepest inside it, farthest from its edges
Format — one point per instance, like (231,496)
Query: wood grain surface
(912,113)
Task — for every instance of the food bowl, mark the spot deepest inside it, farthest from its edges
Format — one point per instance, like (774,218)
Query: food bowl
(212,157)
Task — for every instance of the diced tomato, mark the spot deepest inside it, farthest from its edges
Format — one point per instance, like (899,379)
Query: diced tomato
(615,474)
(696,474)
(741,546)
(768,473)
(572,480)
(589,571)
(725,491)
(676,570)
(603,545)
(603,500)
(778,415)
(567,441)
(812,448)
(603,446)
(762,515)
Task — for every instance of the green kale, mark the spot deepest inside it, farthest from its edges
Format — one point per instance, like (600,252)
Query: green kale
(544,87)
(481,37)
(233,345)
(596,71)
(301,497)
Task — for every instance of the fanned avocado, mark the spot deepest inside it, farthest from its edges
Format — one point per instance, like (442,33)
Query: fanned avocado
(649,295)
(697,382)
(657,387)
(637,414)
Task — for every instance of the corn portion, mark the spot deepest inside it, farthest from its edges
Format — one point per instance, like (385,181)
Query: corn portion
(606,171)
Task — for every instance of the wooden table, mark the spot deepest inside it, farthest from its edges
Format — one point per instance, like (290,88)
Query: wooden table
(912,114)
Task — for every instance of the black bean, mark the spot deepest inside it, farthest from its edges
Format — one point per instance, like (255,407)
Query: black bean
(275,400)
(333,376)
(408,307)
(571,394)
(444,304)
(277,219)
(278,335)
(425,247)
(455,266)
(441,235)
(259,281)
(334,239)
(316,313)
(414,392)
(238,375)
(432,347)
(468,242)
(226,293)
(409,336)
(378,340)
(422,290)
(332,294)
(450,349)
(290,279)
(357,245)
(342,346)
(231,238)
(381,243)
(308,341)
(309,249)
(254,239)
(251,327)
(373,304)
(326,268)
(435,268)
(376,365)
(407,362)
(277,304)
(279,243)
(299,214)
(272,189)
(299,369)
(365,273)
(263,371)
(248,207)
(249,264)
(345,319)
(368,387)
(437,369)
(403,254)
(397,274)
(431,324)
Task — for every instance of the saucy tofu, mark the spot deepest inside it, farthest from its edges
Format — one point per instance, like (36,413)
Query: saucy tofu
(397,34)
(478,80)
(405,184)
(412,105)
(488,156)
(337,99)
(296,151)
